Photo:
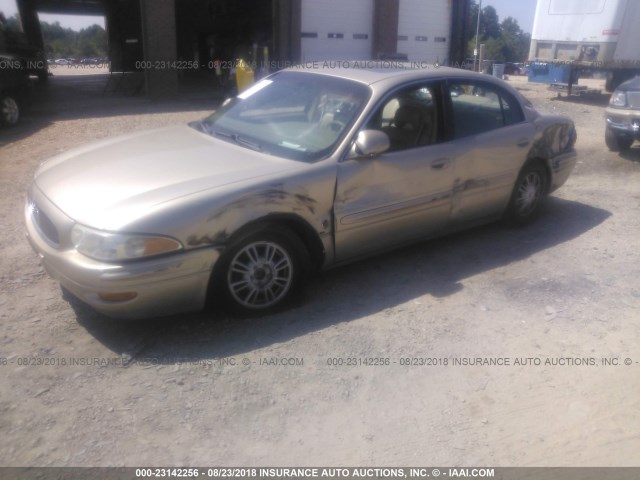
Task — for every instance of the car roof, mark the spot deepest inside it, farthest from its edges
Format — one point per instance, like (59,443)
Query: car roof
(373,71)
(370,72)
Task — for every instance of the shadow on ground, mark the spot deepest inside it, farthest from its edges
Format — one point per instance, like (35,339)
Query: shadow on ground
(633,154)
(99,95)
(594,99)
(437,268)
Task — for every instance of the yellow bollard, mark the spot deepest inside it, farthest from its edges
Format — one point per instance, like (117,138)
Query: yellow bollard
(245,75)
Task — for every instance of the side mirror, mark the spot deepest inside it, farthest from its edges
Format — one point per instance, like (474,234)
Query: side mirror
(370,143)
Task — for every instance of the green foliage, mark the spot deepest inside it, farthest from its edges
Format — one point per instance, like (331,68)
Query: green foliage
(13,24)
(62,42)
(59,42)
(490,23)
(504,42)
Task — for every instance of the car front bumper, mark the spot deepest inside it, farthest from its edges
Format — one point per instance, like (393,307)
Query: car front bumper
(161,286)
(624,122)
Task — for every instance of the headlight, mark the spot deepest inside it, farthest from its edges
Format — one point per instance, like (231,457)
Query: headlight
(618,99)
(109,247)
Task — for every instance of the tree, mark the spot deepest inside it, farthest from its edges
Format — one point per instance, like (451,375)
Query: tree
(60,42)
(13,24)
(509,26)
(472,19)
(515,42)
(504,41)
(490,23)
(494,50)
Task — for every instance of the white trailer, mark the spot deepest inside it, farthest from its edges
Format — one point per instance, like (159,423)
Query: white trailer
(595,35)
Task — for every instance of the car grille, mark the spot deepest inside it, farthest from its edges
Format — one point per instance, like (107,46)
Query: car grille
(45,225)
(633,98)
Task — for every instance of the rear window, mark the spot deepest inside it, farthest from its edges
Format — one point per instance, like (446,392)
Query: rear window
(479,107)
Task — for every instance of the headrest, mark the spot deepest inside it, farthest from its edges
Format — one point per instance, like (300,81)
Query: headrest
(408,117)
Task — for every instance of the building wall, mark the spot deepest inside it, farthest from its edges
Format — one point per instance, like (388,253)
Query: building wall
(424,30)
(222,29)
(159,45)
(337,29)
(295,30)
(385,28)
(124,30)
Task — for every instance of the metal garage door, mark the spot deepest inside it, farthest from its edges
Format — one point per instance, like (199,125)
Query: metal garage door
(424,30)
(337,29)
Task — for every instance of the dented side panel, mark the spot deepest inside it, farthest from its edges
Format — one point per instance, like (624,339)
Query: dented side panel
(486,170)
(394,198)
(212,218)
(554,142)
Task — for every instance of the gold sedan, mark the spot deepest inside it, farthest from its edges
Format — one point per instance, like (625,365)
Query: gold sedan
(306,170)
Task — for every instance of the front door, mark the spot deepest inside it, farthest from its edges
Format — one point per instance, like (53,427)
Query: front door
(405,193)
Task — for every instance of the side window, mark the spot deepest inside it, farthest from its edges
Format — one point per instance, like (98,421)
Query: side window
(512,110)
(409,117)
(479,108)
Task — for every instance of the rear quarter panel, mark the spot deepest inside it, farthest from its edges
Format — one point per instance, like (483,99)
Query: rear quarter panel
(554,141)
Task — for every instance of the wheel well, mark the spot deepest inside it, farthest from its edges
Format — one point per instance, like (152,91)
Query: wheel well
(298,226)
(10,92)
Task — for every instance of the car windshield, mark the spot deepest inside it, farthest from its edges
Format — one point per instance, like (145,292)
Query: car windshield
(296,115)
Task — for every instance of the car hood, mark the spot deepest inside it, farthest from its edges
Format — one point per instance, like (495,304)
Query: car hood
(110,183)
(630,85)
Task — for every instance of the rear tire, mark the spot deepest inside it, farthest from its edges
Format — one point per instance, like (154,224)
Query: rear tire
(527,196)
(617,142)
(262,271)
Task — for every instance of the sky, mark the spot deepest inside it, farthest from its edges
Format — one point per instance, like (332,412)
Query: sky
(522,10)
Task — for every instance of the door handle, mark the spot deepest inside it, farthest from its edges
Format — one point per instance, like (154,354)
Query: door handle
(523,143)
(440,164)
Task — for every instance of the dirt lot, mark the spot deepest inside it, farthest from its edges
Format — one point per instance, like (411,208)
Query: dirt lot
(78,389)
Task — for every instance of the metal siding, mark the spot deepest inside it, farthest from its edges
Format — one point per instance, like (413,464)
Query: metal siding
(627,48)
(425,18)
(352,17)
(593,21)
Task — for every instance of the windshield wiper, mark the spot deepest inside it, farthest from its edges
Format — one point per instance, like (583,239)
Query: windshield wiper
(201,125)
(239,140)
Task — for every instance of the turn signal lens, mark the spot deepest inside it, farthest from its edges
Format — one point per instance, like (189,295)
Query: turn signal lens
(117,297)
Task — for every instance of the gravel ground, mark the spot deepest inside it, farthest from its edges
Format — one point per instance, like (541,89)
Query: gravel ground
(77,389)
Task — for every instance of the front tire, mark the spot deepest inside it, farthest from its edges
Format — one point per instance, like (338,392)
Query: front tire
(9,110)
(617,142)
(262,271)
(527,196)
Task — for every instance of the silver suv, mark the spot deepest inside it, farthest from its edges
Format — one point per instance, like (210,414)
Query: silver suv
(623,116)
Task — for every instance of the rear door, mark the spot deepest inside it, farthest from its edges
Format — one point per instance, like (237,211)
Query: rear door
(489,129)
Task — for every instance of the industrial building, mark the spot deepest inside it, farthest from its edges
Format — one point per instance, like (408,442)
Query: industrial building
(165,38)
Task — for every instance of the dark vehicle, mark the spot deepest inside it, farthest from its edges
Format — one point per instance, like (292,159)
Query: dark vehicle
(512,69)
(623,116)
(15,91)
(15,44)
